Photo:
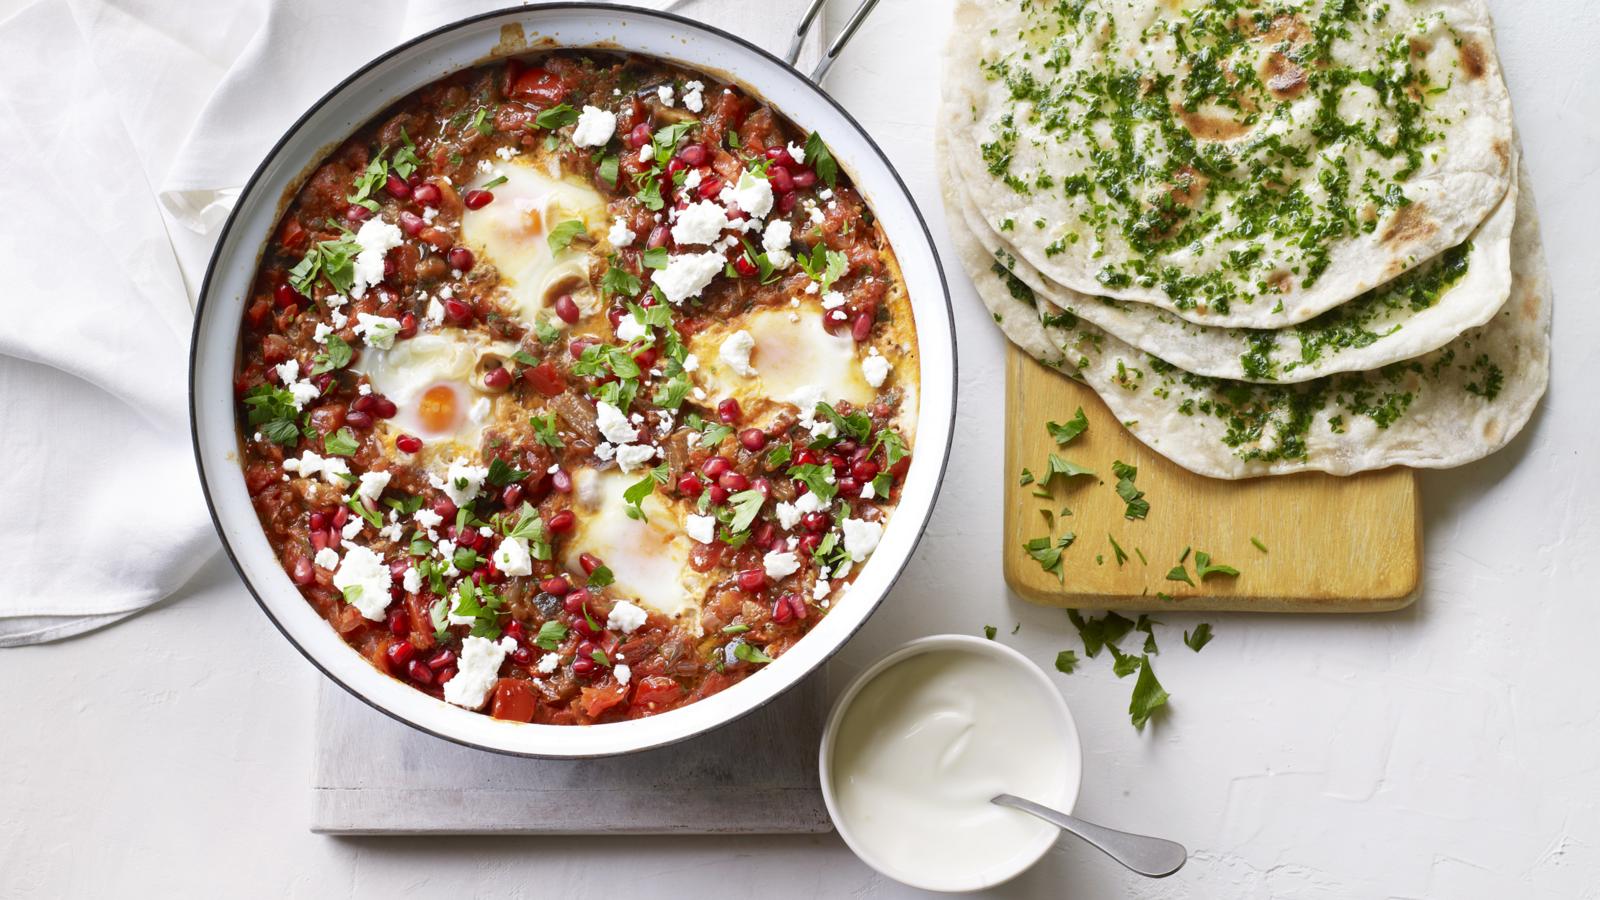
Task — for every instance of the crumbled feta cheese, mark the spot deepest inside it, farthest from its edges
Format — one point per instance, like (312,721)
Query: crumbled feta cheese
(780,564)
(512,557)
(753,194)
(632,456)
(604,451)
(775,242)
(372,485)
(622,672)
(435,313)
(875,368)
(595,127)
(480,409)
(691,180)
(463,481)
(861,537)
(796,153)
(735,352)
(810,503)
(700,223)
(477,669)
(630,329)
(693,99)
(868,492)
(620,234)
(411,581)
(821,589)
(613,424)
(321,332)
(664,94)
(690,363)
(548,662)
(352,527)
(376,238)
(309,465)
(365,579)
(702,528)
(832,300)
(626,617)
(378,331)
(788,515)
(426,519)
(687,274)
(327,558)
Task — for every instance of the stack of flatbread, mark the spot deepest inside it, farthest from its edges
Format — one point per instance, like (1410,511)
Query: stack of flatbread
(1272,236)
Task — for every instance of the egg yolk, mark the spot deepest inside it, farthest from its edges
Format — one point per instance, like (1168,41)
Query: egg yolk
(436,409)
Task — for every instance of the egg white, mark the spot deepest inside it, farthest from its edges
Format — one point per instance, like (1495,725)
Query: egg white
(649,558)
(406,371)
(512,233)
(792,352)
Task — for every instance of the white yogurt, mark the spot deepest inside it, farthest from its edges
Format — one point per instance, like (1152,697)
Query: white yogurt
(925,744)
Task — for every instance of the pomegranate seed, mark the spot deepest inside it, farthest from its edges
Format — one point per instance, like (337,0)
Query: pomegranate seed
(562,521)
(745,267)
(753,439)
(658,237)
(614,316)
(406,443)
(442,659)
(803,178)
(356,213)
(718,494)
(763,485)
(400,653)
(515,631)
(583,665)
(397,187)
(567,309)
(575,601)
(363,403)
(787,202)
(809,543)
(460,258)
(861,329)
(477,199)
(797,605)
(523,655)
(715,466)
(558,585)
(646,358)
(694,155)
(765,534)
(444,676)
(511,496)
(728,411)
(816,522)
(408,326)
(845,447)
(589,562)
(419,672)
(849,486)
(690,485)
(456,311)
(781,613)
(426,194)
(639,135)
(317,521)
(674,166)
(284,296)
(497,379)
(734,481)
(864,470)
(341,515)
(384,408)
(445,509)
(807,457)
(399,623)
(576,348)
(752,580)
(303,571)
(782,182)
(358,419)
(561,481)
(709,188)
(411,223)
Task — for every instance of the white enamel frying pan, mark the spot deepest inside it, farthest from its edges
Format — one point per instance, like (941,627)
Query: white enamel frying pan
(428,58)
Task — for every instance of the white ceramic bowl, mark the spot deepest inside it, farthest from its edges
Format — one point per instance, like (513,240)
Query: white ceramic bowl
(1050,704)
(384,81)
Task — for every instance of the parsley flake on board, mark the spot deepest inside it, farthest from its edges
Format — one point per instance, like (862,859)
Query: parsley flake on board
(1117,549)
(1179,573)
(1203,566)
(1138,507)
(1059,466)
(1048,554)
(1259,546)
(1064,434)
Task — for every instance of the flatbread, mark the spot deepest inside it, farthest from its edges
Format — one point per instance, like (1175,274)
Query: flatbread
(1446,408)
(1098,137)
(1420,311)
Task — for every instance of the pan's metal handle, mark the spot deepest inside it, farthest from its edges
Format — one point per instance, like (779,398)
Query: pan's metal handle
(850,28)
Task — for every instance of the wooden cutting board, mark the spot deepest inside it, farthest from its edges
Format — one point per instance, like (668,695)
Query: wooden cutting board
(1332,544)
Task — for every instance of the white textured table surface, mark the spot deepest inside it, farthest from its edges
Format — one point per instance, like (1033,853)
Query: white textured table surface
(1452,750)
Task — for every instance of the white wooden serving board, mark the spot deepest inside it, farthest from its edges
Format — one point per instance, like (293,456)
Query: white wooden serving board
(373,775)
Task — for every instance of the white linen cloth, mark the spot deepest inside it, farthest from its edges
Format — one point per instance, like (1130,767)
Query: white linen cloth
(130,125)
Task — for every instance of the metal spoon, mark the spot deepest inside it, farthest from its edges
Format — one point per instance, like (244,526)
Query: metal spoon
(1150,856)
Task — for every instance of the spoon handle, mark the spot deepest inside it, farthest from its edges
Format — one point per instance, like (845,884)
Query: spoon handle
(1150,856)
